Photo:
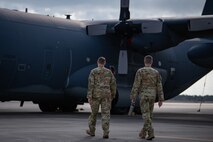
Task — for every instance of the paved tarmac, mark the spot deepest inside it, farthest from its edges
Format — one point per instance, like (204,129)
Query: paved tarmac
(174,122)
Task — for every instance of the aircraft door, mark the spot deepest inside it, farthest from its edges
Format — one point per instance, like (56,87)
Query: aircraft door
(57,66)
(48,64)
(63,67)
(68,67)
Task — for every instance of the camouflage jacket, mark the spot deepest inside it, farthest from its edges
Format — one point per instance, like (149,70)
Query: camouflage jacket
(101,83)
(147,82)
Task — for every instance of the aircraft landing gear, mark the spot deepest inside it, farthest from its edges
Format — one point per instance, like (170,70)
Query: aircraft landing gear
(53,107)
(68,107)
(47,107)
(118,110)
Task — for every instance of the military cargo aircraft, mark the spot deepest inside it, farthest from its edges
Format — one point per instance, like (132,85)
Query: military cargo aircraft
(47,60)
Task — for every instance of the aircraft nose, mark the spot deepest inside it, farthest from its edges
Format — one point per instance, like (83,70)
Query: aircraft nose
(202,54)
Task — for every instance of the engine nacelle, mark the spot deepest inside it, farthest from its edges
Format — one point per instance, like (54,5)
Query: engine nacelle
(202,54)
(148,43)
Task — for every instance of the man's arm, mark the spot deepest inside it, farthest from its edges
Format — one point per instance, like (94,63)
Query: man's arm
(160,91)
(136,85)
(91,85)
(113,86)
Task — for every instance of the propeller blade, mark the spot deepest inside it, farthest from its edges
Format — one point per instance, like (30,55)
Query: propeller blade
(124,11)
(123,62)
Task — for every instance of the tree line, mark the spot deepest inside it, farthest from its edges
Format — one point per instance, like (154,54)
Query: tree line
(192,98)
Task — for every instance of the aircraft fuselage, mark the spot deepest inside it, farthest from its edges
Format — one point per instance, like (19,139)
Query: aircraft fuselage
(46,59)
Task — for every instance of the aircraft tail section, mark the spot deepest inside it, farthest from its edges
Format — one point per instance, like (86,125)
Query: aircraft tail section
(208,8)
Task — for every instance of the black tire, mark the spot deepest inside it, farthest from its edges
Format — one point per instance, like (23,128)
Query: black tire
(137,110)
(71,107)
(44,107)
(119,110)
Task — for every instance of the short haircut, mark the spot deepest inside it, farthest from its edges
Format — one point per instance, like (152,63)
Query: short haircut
(101,60)
(148,59)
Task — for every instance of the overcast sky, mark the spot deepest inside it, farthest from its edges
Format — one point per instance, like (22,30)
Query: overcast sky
(109,9)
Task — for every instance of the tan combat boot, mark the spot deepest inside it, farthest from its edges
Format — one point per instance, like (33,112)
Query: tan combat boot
(90,133)
(150,134)
(106,135)
(142,134)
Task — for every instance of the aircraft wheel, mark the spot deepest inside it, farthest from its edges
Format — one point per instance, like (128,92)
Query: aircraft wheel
(119,110)
(47,107)
(68,107)
(137,110)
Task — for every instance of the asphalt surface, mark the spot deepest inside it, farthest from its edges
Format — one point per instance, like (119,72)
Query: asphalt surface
(174,122)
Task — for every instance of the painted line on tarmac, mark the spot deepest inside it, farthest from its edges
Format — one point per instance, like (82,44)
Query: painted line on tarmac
(184,138)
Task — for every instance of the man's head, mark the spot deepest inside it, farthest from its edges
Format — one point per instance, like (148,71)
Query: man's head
(148,60)
(101,61)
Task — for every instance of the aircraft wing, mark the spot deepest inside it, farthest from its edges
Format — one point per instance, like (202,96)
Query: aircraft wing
(130,27)
(172,31)
(176,29)
(190,24)
(200,27)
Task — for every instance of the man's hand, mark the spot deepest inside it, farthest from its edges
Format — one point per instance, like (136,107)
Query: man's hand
(132,99)
(111,97)
(90,101)
(160,103)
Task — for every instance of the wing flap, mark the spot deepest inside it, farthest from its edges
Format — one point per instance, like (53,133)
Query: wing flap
(94,30)
(201,24)
(152,27)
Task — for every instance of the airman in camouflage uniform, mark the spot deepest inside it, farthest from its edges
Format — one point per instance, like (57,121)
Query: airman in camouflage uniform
(101,91)
(148,85)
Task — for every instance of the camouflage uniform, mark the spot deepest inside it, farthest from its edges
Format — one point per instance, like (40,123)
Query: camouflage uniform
(147,84)
(101,90)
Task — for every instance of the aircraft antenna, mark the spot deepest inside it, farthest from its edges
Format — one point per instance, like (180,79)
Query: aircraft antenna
(68,16)
(202,97)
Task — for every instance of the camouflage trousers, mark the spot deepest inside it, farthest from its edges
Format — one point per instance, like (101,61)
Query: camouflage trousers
(105,114)
(147,106)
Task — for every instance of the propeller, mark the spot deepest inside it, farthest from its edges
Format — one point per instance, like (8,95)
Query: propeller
(124,11)
(123,29)
(126,29)
(123,57)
